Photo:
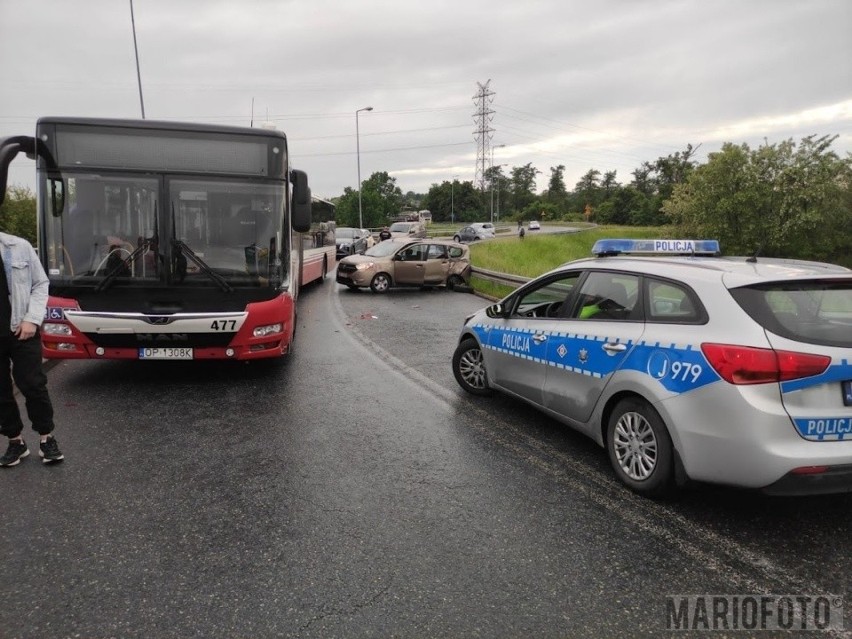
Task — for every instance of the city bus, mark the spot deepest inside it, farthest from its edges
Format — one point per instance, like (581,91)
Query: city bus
(168,241)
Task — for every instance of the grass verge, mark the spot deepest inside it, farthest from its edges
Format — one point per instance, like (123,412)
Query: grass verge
(537,254)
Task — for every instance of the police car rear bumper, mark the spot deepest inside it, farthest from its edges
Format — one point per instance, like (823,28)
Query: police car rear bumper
(741,436)
(834,479)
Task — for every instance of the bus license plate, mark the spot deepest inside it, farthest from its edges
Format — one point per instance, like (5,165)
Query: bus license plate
(165,353)
(847,392)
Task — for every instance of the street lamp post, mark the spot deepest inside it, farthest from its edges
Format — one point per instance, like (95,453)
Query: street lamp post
(358,153)
(136,49)
(452,200)
(499,146)
(497,208)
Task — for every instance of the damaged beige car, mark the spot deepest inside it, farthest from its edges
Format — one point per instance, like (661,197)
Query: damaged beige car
(407,262)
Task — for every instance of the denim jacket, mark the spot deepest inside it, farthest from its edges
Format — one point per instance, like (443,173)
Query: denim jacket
(28,283)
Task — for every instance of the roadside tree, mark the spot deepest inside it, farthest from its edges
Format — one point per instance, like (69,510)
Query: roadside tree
(381,199)
(460,202)
(778,200)
(522,187)
(18,213)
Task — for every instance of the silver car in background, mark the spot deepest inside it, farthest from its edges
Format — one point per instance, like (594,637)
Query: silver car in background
(683,364)
(408,230)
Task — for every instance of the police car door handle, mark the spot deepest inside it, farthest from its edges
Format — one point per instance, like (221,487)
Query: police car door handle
(538,338)
(614,347)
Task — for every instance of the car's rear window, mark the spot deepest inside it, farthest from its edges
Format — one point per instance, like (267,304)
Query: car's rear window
(814,311)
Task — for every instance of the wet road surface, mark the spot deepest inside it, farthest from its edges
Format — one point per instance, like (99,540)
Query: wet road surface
(356,491)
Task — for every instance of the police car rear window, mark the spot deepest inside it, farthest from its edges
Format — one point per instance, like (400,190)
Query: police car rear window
(670,302)
(814,312)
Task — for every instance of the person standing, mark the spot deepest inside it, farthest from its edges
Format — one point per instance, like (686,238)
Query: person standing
(384,234)
(23,300)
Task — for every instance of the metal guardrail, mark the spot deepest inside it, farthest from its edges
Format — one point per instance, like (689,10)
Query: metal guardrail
(505,279)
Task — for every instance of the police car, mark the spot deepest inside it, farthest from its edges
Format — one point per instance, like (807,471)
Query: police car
(683,364)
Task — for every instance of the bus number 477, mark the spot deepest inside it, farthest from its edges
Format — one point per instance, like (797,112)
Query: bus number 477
(224,325)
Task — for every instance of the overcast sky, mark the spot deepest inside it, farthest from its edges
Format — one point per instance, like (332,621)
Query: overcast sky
(604,84)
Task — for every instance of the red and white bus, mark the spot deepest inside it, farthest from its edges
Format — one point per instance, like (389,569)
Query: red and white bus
(168,241)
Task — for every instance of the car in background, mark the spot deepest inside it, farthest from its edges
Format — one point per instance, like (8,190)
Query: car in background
(534,225)
(408,230)
(407,262)
(471,234)
(350,241)
(485,228)
(684,365)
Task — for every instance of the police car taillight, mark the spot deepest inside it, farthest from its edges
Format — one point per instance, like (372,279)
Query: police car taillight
(748,365)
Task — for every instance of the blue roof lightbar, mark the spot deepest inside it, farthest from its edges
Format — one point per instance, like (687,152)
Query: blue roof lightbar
(656,247)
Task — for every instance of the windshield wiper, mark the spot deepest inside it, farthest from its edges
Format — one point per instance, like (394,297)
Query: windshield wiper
(183,250)
(180,251)
(123,266)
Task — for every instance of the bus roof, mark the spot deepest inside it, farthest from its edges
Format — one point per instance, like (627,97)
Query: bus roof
(161,125)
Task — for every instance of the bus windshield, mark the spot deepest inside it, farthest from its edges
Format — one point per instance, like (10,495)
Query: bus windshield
(233,228)
(114,227)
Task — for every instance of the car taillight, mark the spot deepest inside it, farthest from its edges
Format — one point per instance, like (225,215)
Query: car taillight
(748,365)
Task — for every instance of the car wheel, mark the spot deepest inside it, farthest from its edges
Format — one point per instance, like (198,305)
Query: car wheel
(469,368)
(381,283)
(454,282)
(456,238)
(639,447)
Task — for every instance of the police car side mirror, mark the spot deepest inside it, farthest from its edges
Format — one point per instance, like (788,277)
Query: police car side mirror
(495,310)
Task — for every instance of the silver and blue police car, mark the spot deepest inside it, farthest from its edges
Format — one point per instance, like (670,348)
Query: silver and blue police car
(683,364)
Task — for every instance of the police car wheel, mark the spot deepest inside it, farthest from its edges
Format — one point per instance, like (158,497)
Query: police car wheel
(639,447)
(381,283)
(469,368)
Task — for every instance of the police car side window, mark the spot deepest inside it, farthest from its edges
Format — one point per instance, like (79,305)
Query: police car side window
(671,302)
(548,299)
(607,296)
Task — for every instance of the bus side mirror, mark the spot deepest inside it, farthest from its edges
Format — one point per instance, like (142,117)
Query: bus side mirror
(56,192)
(301,214)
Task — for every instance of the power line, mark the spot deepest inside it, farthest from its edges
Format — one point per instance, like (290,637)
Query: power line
(578,127)
(363,135)
(405,148)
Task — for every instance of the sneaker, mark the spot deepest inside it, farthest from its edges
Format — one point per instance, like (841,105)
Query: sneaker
(16,451)
(49,451)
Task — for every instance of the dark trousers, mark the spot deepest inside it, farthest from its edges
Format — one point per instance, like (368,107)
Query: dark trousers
(22,360)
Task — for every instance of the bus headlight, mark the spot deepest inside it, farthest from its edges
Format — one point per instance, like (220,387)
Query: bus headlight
(51,328)
(269,329)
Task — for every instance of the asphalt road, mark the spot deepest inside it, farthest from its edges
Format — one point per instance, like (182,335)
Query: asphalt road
(356,491)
